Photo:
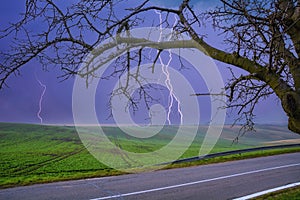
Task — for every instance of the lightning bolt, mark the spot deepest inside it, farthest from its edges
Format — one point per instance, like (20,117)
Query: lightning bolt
(165,69)
(38,114)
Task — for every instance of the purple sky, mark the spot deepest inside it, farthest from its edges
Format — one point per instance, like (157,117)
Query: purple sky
(20,102)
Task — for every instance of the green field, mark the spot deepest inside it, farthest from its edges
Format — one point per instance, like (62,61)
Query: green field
(38,153)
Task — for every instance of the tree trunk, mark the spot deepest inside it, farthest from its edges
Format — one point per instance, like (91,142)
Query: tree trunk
(294,125)
(291,105)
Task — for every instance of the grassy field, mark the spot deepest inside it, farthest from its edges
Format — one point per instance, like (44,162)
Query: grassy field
(37,153)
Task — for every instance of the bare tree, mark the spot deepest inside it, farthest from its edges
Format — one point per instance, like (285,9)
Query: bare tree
(262,38)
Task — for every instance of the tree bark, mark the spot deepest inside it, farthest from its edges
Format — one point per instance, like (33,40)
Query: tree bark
(291,105)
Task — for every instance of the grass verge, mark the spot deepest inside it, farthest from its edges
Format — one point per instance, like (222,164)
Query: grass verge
(235,157)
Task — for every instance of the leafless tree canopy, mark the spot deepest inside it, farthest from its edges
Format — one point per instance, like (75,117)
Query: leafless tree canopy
(262,38)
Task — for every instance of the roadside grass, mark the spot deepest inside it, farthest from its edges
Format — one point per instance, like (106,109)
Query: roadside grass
(287,194)
(32,154)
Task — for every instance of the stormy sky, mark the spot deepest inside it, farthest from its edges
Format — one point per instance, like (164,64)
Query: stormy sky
(20,101)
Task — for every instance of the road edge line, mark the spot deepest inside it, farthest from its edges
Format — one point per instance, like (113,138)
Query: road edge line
(257,194)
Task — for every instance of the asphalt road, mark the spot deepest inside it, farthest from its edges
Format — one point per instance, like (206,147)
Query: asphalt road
(216,181)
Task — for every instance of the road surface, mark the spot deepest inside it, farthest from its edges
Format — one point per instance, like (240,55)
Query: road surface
(215,181)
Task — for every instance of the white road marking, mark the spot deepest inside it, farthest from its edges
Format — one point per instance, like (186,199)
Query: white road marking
(195,182)
(268,191)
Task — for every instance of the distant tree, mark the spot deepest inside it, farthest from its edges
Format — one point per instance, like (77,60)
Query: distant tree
(262,38)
